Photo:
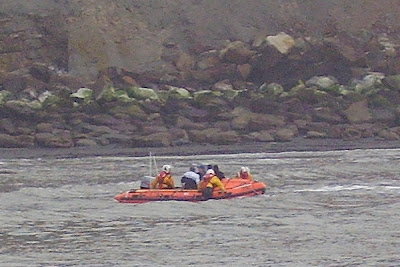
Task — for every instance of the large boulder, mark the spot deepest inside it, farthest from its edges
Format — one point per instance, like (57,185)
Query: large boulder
(284,135)
(5,96)
(236,52)
(393,82)
(214,136)
(358,112)
(7,140)
(7,126)
(282,42)
(83,94)
(141,93)
(59,140)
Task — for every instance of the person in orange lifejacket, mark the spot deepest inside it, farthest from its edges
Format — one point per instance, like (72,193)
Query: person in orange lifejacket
(164,180)
(244,173)
(207,184)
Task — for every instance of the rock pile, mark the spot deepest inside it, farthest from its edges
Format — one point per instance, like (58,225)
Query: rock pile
(220,96)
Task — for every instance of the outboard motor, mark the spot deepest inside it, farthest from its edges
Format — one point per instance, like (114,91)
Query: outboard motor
(146,181)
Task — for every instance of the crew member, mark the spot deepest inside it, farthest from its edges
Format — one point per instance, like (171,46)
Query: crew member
(244,173)
(164,180)
(209,182)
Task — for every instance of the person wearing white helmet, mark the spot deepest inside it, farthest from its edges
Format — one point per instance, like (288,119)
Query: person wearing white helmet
(209,182)
(164,179)
(244,173)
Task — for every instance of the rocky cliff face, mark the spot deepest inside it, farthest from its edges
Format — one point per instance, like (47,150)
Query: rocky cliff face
(85,37)
(160,73)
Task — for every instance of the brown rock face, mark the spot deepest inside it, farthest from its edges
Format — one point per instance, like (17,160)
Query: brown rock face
(86,37)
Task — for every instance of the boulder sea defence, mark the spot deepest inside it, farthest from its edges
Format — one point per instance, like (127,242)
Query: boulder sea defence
(168,78)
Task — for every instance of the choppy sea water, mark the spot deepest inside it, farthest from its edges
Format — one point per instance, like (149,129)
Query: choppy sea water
(332,208)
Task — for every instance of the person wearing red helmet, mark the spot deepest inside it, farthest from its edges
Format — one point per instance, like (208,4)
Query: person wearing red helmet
(209,182)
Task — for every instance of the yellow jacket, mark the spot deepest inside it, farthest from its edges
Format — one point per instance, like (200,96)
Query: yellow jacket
(213,182)
(163,183)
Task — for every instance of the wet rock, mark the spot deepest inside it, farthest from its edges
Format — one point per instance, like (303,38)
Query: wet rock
(158,139)
(222,86)
(396,129)
(262,136)
(265,121)
(271,90)
(44,127)
(393,82)
(15,82)
(284,135)
(208,60)
(5,96)
(213,136)
(315,135)
(96,130)
(7,140)
(178,93)
(358,112)
(322,127)
(85,143)
(324,114)
(61,140)
(84,95)
(117,138)
(244,71)
(7,126)
(386,116)
(184,62)
(25,140)
(188,124)
(368,130)
(282,42)
(21,108)
(236,52)
(351,134)
(74,82)
(107,94)
(322,82)
(178,137)
(105,119)
(309,95)
(388,135)
(131,111)
(40,71)
(142,93)
(368,84)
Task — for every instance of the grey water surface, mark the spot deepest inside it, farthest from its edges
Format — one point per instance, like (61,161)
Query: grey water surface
(332,208)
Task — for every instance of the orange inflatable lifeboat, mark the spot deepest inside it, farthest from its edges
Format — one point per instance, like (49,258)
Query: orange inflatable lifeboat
(235,187)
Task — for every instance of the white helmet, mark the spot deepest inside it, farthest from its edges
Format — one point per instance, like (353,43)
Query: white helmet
(166,168)
(210,171)
(244,169)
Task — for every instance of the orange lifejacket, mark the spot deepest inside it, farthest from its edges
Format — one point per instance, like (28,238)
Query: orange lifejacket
(245,175)
(160,178)
(205,181)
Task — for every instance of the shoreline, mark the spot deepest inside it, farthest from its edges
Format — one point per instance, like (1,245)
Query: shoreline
(298,144)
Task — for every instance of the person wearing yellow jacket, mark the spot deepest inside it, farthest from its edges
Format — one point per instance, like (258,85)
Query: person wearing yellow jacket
(164,179)
(207,184)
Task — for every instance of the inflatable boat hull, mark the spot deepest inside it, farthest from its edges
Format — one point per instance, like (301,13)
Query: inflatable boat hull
(234,187)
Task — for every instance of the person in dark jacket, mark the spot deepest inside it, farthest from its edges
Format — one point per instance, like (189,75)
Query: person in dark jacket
(201,170)
(218,173)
